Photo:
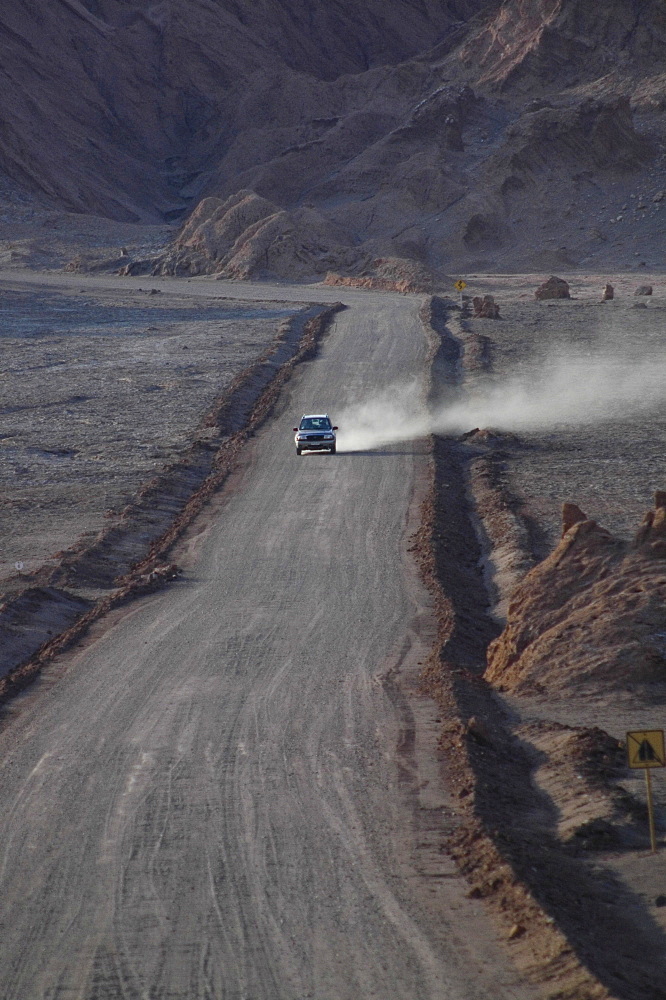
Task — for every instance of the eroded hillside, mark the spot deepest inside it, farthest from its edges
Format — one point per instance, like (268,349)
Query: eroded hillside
(452,136)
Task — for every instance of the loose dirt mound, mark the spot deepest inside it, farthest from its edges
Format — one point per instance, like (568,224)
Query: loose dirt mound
(387,274)
(593,614)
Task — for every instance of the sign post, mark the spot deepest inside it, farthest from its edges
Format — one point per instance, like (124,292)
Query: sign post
(645,749)
(460,286)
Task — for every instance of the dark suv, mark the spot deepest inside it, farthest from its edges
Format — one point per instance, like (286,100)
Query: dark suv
(315,433)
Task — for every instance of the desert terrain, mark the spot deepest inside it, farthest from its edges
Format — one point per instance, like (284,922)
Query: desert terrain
(86,431)
(533,455)
(352,725)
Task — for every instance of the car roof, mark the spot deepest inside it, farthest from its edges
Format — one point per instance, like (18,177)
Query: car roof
(309,416)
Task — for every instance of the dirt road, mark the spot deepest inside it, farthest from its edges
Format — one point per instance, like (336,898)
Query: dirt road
(232,790)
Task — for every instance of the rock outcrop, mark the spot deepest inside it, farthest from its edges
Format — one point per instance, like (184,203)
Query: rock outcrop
(608,293)
(527,44)
(246,236)
(553,288)
(643,290)
(388,273)
(571,514)
(592,614)
(485,308)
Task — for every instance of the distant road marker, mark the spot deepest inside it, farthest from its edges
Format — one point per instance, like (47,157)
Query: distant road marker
(460,286)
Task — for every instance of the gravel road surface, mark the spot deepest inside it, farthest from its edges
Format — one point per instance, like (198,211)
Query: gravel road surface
(231,791)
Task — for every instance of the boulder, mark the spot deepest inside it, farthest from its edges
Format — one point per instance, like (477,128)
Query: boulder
(553,288)
(608,293)
(486,307)
(643,290)
(478,730)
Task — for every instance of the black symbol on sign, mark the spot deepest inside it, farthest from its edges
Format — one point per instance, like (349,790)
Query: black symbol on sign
(646,751)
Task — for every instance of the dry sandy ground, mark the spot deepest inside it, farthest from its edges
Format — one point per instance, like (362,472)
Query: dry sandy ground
(605,459)
(595,437)
(100,390)
(601,448)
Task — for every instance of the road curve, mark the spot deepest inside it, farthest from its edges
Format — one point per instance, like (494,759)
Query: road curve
(230,791)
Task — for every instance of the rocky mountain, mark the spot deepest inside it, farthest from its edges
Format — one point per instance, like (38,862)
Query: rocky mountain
(452,135)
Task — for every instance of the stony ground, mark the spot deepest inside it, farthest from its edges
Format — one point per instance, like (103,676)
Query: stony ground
(597,440)
(103,388)
(606,452)
(100,390)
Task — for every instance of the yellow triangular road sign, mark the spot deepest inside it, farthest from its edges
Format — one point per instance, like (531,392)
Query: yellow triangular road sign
(645,748)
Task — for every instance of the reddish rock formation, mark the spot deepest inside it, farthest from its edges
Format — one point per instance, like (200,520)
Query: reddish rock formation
(651,536)
(571,514)
(245,236)
(553,288)
(486,307)
(608,293)
(386,274)
(528,42)
(593,613)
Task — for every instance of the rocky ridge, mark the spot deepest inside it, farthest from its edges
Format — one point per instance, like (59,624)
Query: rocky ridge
(590,615)
(474,134)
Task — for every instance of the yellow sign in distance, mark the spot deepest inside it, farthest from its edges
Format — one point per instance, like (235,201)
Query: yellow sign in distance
(645,748)
(459,285)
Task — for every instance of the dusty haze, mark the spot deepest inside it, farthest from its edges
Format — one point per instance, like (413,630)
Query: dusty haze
(575,390)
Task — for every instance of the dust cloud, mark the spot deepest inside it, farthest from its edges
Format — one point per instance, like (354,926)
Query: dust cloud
(575,390)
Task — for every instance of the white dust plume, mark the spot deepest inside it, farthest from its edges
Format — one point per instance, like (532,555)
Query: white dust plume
(396,414)
(575,390)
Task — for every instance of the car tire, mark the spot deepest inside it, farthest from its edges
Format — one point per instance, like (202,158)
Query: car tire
(298,451)
(333,450)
